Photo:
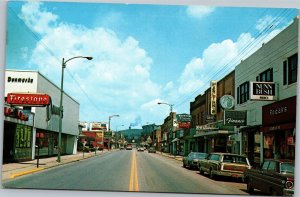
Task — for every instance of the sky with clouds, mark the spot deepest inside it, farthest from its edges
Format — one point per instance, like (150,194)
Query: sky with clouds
(142,54)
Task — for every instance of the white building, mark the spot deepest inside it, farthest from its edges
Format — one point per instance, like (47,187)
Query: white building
(267,134)
(41,128)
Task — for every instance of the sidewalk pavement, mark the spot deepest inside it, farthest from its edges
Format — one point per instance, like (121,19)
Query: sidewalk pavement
(13,170)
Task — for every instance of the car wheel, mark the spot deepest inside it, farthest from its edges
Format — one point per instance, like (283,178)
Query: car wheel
(250,188)
(273,192)
(211,175)
(184,165)
(201,171)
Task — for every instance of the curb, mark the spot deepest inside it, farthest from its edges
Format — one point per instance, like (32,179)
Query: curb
(25,173)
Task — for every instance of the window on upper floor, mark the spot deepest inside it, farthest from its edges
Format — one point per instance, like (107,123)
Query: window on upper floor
(243,93)
(266,76)
(290,67)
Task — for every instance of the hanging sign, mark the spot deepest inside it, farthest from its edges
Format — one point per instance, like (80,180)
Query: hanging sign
(213,97)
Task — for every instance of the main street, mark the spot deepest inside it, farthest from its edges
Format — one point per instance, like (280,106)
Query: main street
(127,171)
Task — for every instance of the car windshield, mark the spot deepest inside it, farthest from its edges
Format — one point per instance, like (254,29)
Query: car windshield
(287,168)
(197,155)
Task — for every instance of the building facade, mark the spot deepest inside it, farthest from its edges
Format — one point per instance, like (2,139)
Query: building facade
(211,135)
(41,125)
(270,130)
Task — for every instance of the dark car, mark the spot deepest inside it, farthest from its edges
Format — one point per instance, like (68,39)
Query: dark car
(151,150)
(192,159)
(275,177)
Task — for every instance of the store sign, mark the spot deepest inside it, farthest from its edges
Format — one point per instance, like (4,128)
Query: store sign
(263,91)
(184,125)
(283,111)
(98,126)
(213,97)
(227,102)
(184,118)
(24,99)
(235,118)
(19,80)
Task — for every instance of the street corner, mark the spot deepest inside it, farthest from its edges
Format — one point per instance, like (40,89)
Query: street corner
(18,174)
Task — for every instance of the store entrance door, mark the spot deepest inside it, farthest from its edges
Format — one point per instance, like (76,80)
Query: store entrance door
(8,142)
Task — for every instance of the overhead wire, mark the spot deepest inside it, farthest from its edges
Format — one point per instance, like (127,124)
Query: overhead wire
(223,70)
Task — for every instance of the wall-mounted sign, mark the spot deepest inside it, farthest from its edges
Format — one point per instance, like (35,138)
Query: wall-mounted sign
(213,97)
(235,118)
(184,125)
(98,126)
(263,91)
(26,99)
(184,118)
(283,111)
(19,80)
(227,102)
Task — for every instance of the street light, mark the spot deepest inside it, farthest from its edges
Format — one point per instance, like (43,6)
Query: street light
(117,115)
(171,114)
(64,63)
(171,105)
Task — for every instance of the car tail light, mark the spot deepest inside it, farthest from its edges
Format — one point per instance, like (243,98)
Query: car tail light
(289,184)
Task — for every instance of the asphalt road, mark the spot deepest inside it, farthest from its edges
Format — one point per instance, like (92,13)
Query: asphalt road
(126,170)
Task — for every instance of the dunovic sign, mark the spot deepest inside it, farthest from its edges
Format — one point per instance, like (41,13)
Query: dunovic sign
(26,99)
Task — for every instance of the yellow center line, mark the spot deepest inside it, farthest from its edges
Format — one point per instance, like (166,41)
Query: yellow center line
(133,182)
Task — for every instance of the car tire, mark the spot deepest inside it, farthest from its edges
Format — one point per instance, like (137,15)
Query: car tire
(250,188)
(184,165)
(211,175)
(201,171)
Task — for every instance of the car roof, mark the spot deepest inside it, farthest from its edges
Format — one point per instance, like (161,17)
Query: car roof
(220,153)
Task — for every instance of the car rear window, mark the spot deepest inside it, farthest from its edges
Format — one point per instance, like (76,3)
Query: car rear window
(234,159)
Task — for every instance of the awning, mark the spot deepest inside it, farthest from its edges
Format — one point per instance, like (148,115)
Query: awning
(216,132)
(175,140)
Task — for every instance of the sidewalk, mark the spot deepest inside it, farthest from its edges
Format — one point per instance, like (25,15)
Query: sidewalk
(13,170)
(177,157)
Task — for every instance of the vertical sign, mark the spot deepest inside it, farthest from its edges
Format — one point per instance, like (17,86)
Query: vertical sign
(213,97)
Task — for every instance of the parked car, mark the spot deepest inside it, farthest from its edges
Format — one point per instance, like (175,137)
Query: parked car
(224,164)
(151,150)
(140,149)
(275,177)
(192,159)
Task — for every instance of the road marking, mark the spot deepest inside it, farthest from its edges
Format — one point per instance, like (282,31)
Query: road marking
(133,182)
(25,173)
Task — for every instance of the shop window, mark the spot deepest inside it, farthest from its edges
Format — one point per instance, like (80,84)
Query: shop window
(23,136)
(290,67)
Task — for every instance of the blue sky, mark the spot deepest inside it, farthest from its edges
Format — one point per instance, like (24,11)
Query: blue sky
(143,54)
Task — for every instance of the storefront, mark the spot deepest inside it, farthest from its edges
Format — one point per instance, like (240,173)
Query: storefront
(32,117)
(279,129)
(214,137)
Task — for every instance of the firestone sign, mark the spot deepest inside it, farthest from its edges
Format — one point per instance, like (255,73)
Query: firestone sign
(26,99)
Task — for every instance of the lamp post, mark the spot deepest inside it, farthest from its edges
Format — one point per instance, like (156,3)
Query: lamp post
(64,63)
(170,105)
(171,114)
(117,115)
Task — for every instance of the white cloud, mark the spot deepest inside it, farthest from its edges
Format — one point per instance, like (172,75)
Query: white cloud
(37,19)
(117,77)
(199,12)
